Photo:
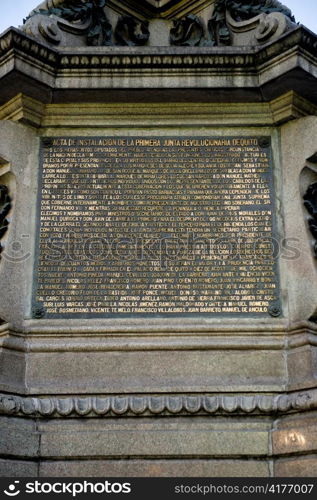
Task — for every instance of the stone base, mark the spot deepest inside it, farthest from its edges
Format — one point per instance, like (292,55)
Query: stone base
(136,468)
(203,405)
(214,446)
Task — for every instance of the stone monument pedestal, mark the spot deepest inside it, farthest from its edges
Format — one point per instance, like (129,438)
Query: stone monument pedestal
(211,371)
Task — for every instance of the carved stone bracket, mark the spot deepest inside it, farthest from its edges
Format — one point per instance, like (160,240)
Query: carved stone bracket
(5,207)
(178,404)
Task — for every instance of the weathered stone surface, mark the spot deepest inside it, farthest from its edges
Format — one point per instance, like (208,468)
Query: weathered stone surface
(19,438)
(19,149)
(16,468)
(161,371)
(148,438)
(301,269)
(295,434)
(296,467)
(12,370)
(302,367)
(156,468)
(82,396)
(177,73)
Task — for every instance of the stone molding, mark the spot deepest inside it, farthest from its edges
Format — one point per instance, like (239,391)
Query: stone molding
(151,405)
(31,112)
(291,106)
(163,334)
(23,109)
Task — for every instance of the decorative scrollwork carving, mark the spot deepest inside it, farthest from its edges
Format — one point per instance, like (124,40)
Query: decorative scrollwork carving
(5,206)
(90,13)
(241,11)
(310,202)
(131,31)
(188,31)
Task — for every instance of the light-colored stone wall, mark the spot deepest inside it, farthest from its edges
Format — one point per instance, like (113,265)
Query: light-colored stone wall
(19,150)
(75,358)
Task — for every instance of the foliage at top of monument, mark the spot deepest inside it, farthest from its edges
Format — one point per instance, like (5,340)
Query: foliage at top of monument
(231,22)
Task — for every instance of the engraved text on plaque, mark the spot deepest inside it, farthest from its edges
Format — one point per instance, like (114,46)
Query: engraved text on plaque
(155,226)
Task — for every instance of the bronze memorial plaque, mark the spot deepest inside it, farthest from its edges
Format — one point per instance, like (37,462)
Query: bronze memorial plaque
(156,226)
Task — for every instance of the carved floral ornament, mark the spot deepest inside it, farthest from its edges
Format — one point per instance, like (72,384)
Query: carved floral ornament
(231,22)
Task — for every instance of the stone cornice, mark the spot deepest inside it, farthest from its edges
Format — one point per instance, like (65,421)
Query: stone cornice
(154,405)
(32,112)
(166,57)
(23,109)
(100,337)
(15,42)
(165,68)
